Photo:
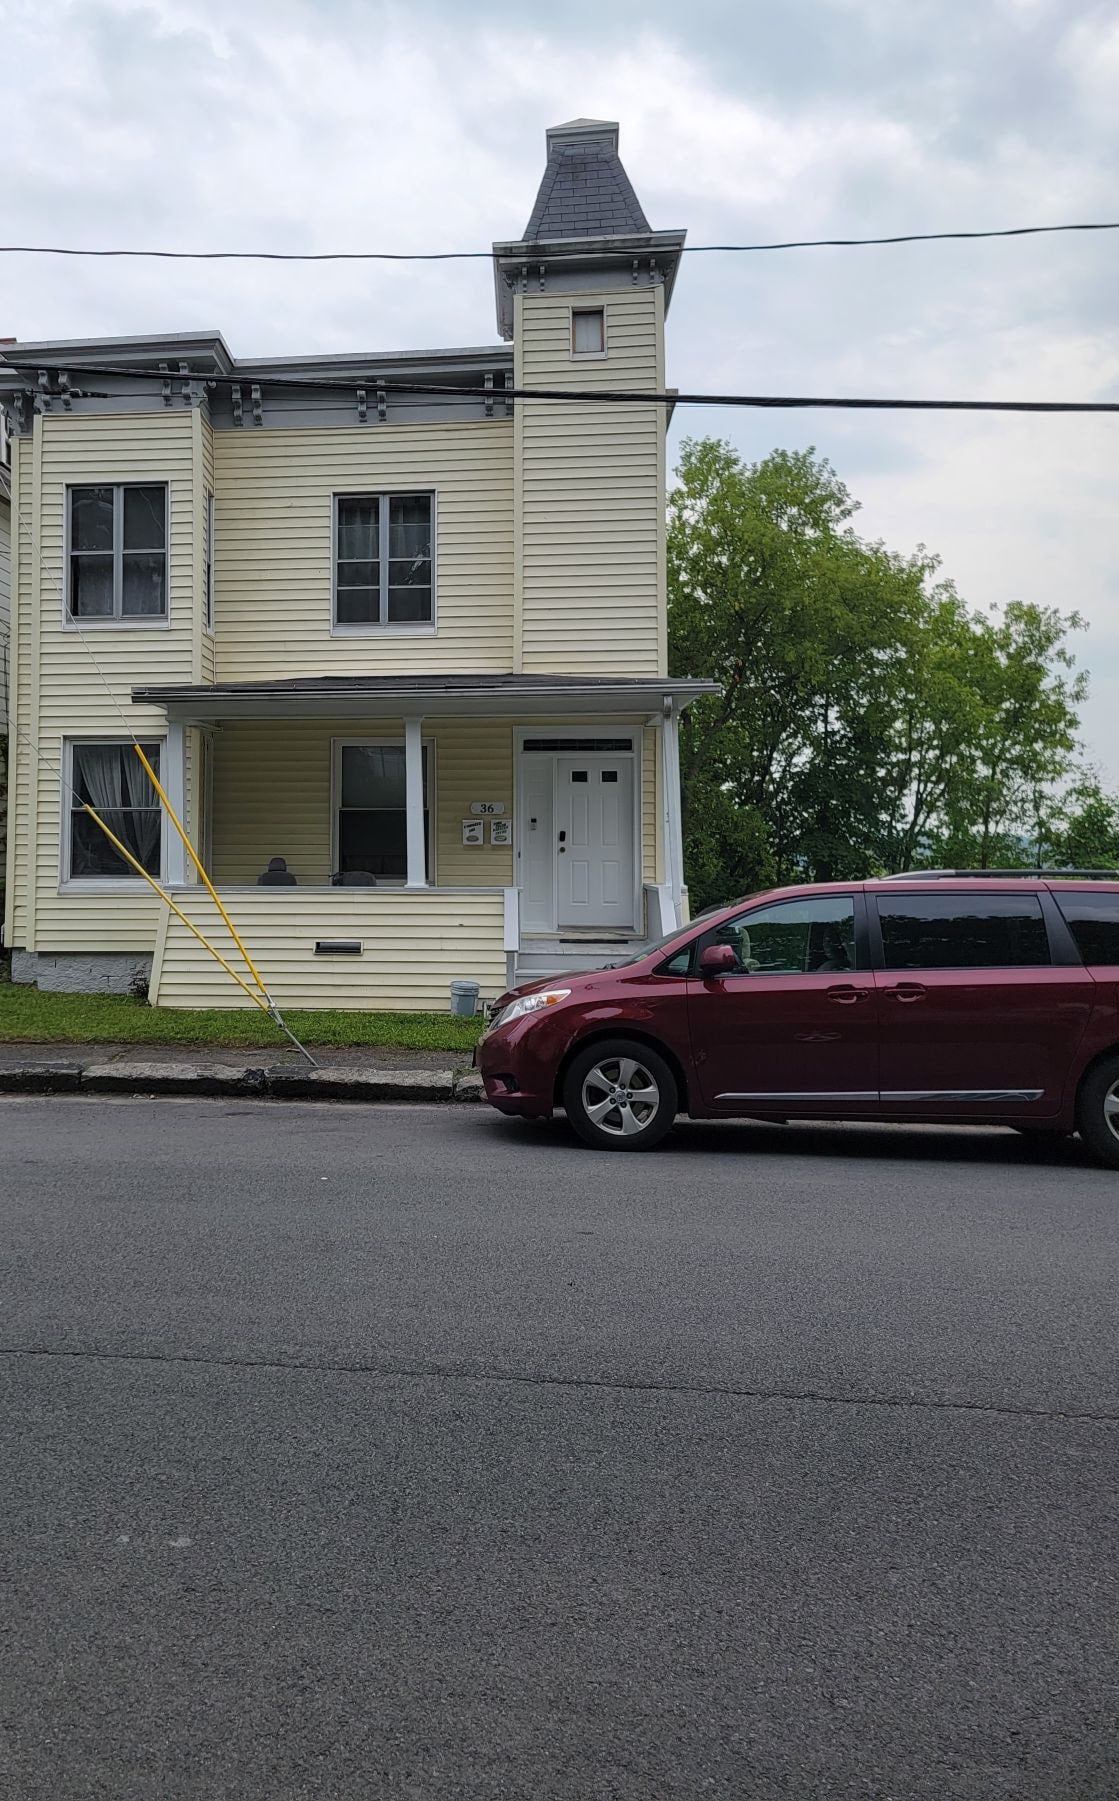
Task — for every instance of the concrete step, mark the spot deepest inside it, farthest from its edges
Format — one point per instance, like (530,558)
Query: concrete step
(556,958)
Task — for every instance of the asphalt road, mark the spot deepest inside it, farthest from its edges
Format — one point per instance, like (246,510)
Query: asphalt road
(352,1453)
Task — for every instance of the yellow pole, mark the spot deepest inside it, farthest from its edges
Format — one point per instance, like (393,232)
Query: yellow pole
(152,883)
(177,823)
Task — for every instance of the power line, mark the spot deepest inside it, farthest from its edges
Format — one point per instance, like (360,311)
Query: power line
(606,396)
(582,256)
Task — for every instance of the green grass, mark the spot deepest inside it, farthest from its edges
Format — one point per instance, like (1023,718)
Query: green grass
(28,1017)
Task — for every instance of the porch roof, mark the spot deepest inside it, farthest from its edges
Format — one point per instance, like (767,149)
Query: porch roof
(393,696)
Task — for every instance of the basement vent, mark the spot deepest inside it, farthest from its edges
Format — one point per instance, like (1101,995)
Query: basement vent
(338,947)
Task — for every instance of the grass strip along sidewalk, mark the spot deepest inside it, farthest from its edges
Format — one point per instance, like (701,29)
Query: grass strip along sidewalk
(28,1017)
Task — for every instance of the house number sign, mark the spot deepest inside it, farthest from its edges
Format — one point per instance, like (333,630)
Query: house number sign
(487,807)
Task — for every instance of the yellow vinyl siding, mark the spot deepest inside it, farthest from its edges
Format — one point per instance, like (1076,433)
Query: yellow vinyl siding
(591,490)
(85,677)
(206,486)
(474,761)
(415,945)
(272,795)
(274,573)
(22,771)
(5,609)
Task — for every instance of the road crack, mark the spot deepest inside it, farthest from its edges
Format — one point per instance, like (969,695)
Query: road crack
(535,1379)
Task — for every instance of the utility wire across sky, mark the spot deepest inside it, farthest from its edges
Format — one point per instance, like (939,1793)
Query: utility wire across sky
(375,379)
(462,256)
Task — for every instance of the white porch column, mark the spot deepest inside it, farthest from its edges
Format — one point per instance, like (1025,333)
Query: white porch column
(173,781)
(670,806)
(414,802)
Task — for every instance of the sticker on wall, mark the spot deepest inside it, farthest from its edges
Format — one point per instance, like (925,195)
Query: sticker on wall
(487,807)
(474,831)
(501,831)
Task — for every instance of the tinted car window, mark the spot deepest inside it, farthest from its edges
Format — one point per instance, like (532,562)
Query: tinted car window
(963,931)
(796,937)
(1093,920)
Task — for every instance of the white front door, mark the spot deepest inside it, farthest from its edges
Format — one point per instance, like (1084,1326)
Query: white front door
(594,840)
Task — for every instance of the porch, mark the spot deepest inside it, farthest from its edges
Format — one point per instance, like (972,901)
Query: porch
(376,838)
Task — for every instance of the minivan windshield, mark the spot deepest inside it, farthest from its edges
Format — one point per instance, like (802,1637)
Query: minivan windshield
(659,944)
(680,935)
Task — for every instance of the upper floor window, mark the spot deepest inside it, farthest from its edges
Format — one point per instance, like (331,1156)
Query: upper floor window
(117,552)
(588,331)
(383,561)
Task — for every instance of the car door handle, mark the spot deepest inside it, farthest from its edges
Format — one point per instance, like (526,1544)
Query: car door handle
(846,995)
(907,991)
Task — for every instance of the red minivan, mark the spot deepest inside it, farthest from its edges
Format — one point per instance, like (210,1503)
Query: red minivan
(990,999)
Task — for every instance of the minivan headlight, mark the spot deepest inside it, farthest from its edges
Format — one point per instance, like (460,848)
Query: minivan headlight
(529,1003)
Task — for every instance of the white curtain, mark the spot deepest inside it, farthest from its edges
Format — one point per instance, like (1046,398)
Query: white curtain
(119,788)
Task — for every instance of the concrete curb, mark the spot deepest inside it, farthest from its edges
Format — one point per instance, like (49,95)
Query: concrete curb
(362,1084)
(171,1078)
(41,1078)
(330,1084)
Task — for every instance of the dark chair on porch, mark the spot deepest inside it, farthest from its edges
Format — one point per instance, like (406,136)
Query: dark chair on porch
(353,878)
(277,875)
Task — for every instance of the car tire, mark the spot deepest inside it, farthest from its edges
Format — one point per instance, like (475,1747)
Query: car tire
(1097,1112)
(619,1095)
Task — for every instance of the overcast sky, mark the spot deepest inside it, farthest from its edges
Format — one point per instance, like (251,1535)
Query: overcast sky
(232,124)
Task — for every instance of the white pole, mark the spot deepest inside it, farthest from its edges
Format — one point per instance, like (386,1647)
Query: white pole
(674,831)
(173,778)
(414,802)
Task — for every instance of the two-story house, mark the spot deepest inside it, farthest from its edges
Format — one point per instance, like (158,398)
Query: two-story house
(392,631)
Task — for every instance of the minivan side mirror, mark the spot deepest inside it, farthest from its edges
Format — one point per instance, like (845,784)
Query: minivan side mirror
(717,960)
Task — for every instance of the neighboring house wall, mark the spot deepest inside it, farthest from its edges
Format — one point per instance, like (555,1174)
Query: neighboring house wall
(274,547)
(590,488)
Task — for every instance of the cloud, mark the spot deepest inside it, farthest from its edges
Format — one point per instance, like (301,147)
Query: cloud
(325,124)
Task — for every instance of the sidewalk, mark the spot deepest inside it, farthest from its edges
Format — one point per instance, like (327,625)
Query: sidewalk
(344,1073)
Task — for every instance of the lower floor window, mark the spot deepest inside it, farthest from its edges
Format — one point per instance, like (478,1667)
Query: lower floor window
(372,817)
(112,779)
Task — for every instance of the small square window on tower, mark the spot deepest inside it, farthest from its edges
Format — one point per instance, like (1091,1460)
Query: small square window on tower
(588,331)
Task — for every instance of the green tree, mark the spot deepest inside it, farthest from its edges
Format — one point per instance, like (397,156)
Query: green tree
(1081,829)
(868,719)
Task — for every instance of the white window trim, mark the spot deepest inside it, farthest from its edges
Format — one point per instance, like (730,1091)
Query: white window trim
(337,746)
(210,531)
(105,884)
(78,623)
(403,628)
(590,356)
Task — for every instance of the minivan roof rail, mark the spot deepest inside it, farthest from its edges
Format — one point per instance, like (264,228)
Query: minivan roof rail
(1003,875)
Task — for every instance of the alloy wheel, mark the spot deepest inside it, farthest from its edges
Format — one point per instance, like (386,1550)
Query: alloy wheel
(620,1096)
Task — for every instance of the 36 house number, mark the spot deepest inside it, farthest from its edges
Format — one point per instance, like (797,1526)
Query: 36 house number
(486,807)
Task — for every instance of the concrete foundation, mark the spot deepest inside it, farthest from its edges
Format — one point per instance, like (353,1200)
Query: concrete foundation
(82,972)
